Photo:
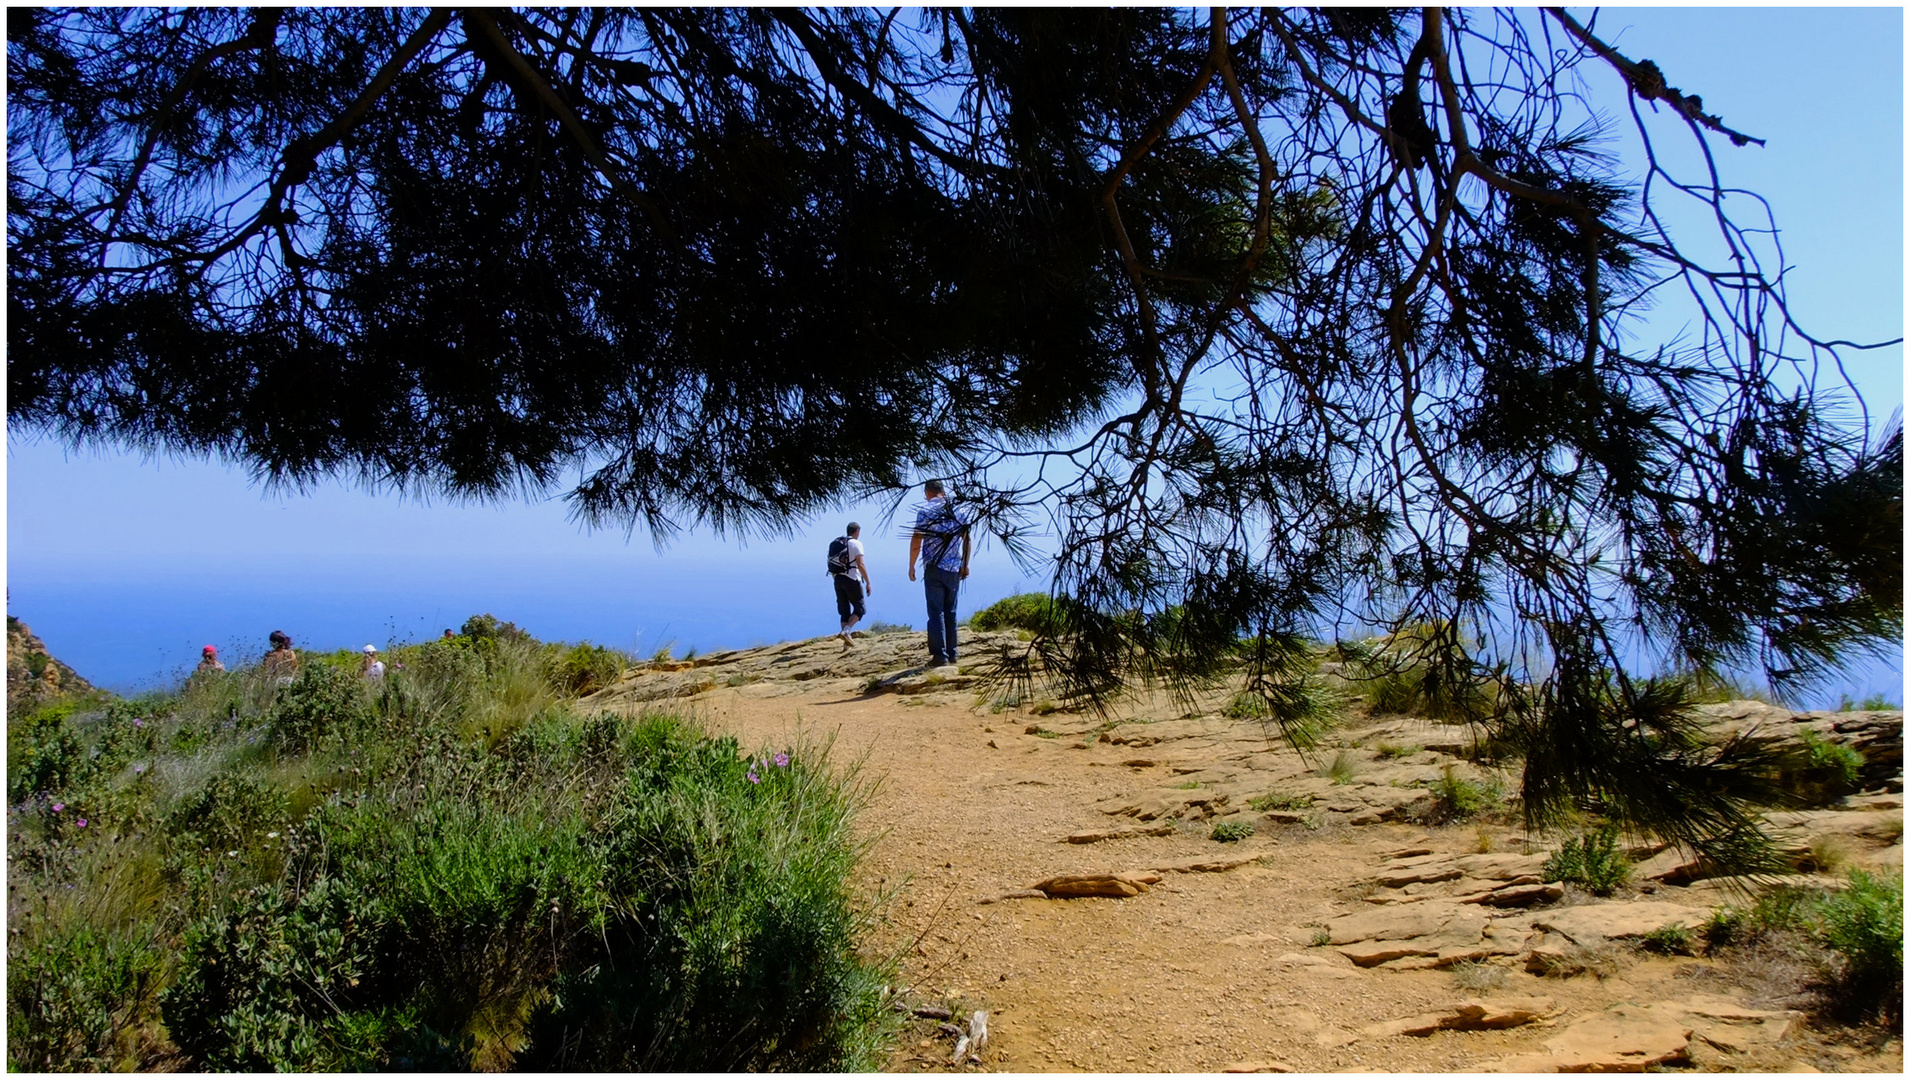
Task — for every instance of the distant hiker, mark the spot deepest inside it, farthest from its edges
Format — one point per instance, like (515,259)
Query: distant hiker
(281,661)
(938,524)
(371,667)
(208,662)
(448,635)
(845,563)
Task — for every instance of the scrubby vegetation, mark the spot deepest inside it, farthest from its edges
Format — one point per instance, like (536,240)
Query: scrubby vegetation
(1033,612)
(1456,798)
(1849,940)
(451,868)
(1591,860)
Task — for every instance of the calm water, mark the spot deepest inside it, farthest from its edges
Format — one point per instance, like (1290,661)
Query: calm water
(129,633)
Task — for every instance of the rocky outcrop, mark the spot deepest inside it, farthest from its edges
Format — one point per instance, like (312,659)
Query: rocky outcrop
(1623,1038)
(877,663)
(33,675)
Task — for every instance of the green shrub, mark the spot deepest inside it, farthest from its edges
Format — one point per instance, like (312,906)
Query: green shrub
(879,627)
(323,704)
(1418,670)
(1873,703)
(1673,940)
(1863,926)
(585,668)
(1033,612)
(76,999)
(695,916)
(1279,801)
(1391,751)
(1456,798)
(448,870)
(1591,860)
(1229,832)
(1843,764)
(231,811)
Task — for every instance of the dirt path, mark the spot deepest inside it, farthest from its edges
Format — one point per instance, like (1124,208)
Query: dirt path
(1209,969)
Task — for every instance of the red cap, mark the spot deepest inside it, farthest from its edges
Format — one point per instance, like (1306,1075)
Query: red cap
(209,649)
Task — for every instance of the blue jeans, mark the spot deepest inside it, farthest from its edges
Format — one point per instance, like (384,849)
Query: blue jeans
(941,587)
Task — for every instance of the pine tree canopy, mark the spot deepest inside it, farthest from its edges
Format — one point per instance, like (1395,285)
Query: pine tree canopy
(1272,322)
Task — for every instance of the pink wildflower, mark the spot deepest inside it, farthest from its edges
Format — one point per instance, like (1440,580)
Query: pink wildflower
(81,823)
(752,777)
(782,759)
(58,806)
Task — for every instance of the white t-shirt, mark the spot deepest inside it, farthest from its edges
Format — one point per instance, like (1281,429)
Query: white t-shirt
(855,552)
(375,670)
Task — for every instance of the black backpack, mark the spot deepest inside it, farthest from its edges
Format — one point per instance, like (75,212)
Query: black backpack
(840,560)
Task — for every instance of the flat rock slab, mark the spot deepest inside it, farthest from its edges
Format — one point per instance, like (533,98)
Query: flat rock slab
(1732,1026)
(1433,932)
(1115,885)
(1488,1014)
(1207,866)
(1593,924)
(1267,1066)
(1519,894)
(1095,836)
(1623,1038)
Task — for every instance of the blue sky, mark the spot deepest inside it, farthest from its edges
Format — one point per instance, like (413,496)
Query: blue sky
(126,566)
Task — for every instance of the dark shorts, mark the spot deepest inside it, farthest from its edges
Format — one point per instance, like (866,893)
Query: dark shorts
(848,597)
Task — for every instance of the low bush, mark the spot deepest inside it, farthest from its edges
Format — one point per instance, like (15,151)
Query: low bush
(1590,860)
(1230,832)
(1863,926)
(450,869)
(78,997)
(1674,940)
(1456,798)
(1033,612)
(1274,800)
(585,668)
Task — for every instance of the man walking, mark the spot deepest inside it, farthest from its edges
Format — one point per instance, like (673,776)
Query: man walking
(845,562)
(938,526)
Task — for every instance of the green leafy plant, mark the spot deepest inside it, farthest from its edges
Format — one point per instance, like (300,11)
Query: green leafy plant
(1863,926)
(1591,860)
(1456,798)
(76,998)
(1844,764)
(1229,832)
(1033,612)
(454,870)
(1673,940)
(323,704)
(1391,751)
(1273,800)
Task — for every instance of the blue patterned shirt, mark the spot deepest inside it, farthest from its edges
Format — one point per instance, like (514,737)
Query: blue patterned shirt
(944,525)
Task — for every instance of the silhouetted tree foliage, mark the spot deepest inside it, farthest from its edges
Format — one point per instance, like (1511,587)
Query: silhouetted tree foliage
(1276,321)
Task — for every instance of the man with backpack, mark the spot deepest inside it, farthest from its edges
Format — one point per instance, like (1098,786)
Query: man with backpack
(939,524)
(845,562)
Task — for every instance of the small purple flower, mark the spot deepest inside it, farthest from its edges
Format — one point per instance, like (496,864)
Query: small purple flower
(81,823)
(139,768)
(137,722)
(58,806)
(782,759)
(752,777)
